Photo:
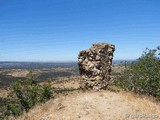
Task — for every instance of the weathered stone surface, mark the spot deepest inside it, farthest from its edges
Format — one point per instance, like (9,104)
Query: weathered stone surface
(95,65)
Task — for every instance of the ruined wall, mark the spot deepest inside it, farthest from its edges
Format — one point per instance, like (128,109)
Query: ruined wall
(95,65)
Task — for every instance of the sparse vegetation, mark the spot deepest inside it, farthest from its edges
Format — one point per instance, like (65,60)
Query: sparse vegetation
(9,76)
(24,95)
(143,75)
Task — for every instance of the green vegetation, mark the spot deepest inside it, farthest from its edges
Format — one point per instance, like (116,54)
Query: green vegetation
(143,75)
(24,95)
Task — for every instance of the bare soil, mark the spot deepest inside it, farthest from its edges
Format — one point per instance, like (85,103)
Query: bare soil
(93,105)
(103,105)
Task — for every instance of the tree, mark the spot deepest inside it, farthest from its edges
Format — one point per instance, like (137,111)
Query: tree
(25,94)
(143,75)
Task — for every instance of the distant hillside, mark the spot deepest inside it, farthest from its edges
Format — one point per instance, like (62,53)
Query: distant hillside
(37,65)
(32,65)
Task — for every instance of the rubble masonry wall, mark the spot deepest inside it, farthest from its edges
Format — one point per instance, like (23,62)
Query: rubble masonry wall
(95,66)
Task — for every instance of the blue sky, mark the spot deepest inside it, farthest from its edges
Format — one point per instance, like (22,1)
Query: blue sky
(56,30)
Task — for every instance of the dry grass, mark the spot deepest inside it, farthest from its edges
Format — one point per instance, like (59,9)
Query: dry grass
(18,73)
(103,105)
(89,105)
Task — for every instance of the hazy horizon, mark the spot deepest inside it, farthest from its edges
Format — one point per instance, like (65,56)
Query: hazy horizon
(64,61)
(51,30)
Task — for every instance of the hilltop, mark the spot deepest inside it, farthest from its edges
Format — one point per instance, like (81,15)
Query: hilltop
(70,103)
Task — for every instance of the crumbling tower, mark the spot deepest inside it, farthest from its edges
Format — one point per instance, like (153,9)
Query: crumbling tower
(95,66)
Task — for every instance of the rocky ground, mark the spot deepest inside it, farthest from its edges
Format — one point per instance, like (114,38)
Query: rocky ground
(70,103)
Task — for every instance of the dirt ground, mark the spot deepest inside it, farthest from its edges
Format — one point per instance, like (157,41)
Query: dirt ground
(103,105)
(92,105)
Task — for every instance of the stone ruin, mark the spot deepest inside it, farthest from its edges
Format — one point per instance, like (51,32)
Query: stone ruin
(95,66)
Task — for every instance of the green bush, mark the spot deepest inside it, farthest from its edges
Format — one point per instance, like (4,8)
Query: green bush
(25,94)
(143,75)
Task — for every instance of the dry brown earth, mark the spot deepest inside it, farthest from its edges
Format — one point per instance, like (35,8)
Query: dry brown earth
(91,105)
(103,105)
